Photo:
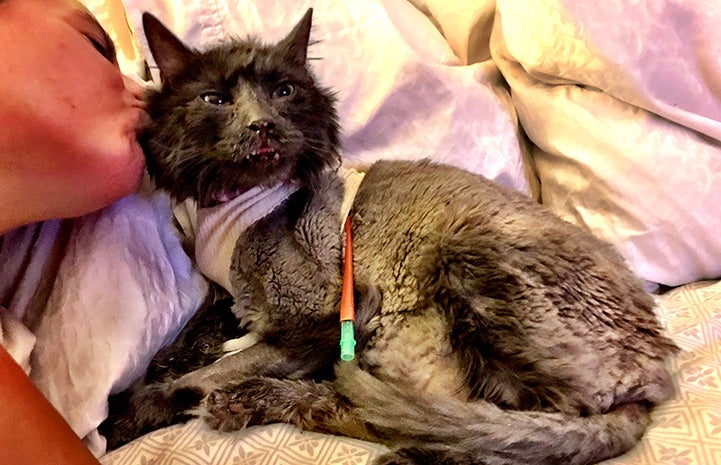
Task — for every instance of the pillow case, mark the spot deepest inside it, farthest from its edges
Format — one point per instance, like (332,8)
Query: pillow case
(124,289)
(622,102)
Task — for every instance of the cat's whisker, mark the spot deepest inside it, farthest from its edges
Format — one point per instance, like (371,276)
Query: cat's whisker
(158,144)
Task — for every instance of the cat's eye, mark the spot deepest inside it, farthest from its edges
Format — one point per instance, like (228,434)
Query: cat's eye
(216,98)
(283,90)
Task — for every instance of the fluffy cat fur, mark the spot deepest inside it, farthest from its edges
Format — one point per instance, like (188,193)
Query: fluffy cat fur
(489,331)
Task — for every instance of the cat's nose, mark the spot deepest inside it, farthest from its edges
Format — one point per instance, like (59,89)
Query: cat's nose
(262,126)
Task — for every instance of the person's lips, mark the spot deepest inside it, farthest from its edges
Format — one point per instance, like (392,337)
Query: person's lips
(135,97)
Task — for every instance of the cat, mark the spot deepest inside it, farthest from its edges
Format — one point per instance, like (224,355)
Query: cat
(488,330)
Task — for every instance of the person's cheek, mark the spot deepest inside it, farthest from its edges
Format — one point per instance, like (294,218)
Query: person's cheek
(120,161)
(101,112)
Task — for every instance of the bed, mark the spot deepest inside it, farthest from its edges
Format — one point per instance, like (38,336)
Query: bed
(607,112)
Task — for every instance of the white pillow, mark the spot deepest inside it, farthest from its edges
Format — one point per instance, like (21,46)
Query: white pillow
(124,288)
(622,101)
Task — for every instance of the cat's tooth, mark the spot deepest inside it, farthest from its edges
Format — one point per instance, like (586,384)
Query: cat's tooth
(276,156)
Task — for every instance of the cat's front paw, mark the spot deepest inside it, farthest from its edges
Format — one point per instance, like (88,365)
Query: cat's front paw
(254,401)
(228,409)
(144,409)
(259,401)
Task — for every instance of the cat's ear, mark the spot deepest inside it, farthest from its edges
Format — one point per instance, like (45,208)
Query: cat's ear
(169,52)
(296,42)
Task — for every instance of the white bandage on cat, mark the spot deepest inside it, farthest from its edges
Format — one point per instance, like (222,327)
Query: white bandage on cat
(215,230)
(351,182)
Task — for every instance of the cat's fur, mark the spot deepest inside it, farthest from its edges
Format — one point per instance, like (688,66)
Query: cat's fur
(489,330)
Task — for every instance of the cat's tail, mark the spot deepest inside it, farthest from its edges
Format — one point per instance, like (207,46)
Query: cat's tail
(439,430)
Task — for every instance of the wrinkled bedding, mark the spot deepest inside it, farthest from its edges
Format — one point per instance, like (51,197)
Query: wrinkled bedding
(607,112)
(685,431)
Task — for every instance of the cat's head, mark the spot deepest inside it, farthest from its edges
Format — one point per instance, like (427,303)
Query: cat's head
(238,115)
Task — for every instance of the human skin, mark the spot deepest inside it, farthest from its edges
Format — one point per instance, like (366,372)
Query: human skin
(32,432)
(68,119)
(68,146)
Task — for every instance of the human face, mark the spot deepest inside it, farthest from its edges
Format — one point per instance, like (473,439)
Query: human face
(68,118)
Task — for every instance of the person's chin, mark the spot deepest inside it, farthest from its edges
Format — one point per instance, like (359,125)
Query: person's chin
(125,174)
(136,168)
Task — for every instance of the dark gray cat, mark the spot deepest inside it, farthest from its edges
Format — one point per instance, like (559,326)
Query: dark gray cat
(488,330)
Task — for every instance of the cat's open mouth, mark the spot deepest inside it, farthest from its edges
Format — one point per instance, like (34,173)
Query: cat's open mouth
(265,153)
(259,161)
(222,197)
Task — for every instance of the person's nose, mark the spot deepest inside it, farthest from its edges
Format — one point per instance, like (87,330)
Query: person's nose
(136,90)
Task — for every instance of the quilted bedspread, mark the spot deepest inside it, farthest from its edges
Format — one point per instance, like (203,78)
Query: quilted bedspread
(686,430)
